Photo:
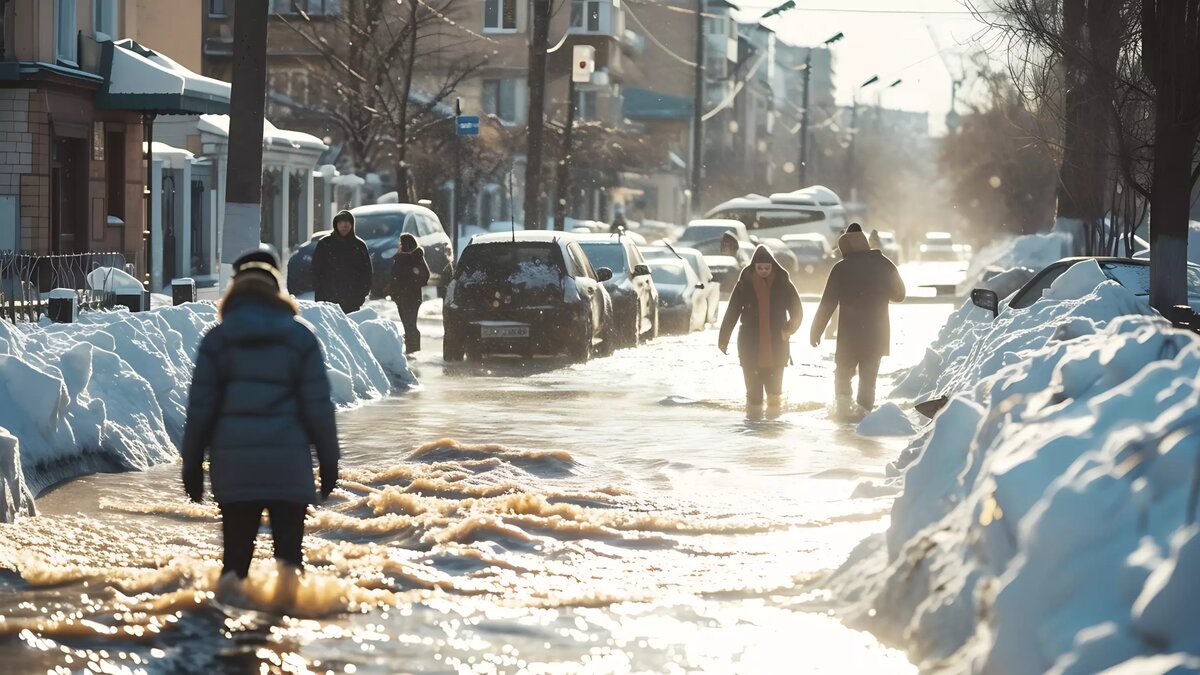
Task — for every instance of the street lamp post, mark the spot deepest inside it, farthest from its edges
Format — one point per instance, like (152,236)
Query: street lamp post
(851,181)
(804,112)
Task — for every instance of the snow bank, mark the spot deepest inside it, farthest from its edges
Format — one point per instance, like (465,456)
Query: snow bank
(15,498)
(886,420)
(1031,251)
(109,393)
(1045,518)
(972,345)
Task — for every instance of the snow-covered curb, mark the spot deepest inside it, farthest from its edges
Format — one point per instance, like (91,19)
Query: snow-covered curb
(1043,520)
(109,393)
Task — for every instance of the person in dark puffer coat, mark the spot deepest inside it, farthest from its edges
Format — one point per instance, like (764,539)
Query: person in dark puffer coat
(768,306)
(259,404)
(410,273)
(341,266)
(860,286)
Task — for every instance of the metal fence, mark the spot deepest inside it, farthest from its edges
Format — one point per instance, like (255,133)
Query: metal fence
(26,279)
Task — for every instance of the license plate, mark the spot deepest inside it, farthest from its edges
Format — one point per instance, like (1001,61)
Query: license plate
(503,332)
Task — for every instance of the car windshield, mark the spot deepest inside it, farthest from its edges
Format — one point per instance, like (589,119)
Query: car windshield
(611,256)
(706,232)
(1137,278)
(669,275)
(379,225)
(527,264)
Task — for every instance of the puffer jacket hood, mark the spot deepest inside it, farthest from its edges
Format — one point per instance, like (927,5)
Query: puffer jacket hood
(408,243)
(344,215)
(853,242)
(763,254)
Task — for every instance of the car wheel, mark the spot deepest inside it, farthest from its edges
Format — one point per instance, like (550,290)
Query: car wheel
(654,324)
(634,334)
(452,349)
(581,350)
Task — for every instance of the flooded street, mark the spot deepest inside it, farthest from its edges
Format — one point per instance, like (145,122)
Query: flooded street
(618,516)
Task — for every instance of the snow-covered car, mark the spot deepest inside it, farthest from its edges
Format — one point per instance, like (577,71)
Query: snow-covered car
(527,293)
(678,288)
(1132,273)
(634,296)
(380,226)
(708,229)
(711,294)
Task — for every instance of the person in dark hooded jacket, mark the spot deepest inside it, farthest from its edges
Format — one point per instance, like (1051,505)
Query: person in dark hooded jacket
(410,273)
(341,266)
(259,403)
(859,287)
(768,306)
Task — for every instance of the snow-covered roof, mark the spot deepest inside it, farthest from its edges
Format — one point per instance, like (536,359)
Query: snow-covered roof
(523,235)
(272,135)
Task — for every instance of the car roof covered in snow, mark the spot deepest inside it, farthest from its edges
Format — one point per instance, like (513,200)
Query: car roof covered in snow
(384,209)
(541,236)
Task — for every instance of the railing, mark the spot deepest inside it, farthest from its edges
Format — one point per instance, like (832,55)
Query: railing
(26,279)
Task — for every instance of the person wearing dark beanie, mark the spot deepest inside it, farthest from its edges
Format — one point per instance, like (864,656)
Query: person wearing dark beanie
(768,306)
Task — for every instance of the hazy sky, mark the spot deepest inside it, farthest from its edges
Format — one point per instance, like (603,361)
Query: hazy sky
(919,41)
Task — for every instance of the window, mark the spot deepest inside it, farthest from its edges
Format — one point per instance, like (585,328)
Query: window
(104,19)
(586,104)
(500,16)
(66,32)
(596,16)
(500,99)
(218,8)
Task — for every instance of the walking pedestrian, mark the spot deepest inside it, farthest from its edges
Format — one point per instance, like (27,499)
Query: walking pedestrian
(730,247)
(768,306)
(259,402)
(410,273)
(859,287)
(341,266)
(875,241)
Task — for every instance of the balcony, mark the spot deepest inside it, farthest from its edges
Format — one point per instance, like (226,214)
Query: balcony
(597,17)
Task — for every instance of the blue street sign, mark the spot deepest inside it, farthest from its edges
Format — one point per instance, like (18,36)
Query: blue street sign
(467,125)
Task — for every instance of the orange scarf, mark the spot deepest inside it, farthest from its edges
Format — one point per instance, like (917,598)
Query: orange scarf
(762,291)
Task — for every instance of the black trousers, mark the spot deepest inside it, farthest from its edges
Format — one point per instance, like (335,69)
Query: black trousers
(408,309)
(867,367)
(760,379)
(239,527)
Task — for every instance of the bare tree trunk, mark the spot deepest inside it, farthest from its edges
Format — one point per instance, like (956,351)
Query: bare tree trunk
(1171,49)
(404,186)
(537,114)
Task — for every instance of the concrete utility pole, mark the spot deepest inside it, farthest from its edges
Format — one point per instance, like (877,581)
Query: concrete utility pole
(698,111)
(243,179)
(805,114)
(537,114)
(562,205)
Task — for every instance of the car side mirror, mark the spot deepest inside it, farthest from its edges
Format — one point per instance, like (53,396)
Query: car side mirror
(641,270)
(603,274)
(984,298)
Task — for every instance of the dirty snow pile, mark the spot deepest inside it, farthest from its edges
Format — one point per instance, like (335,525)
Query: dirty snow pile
(109,393)
(1044,522)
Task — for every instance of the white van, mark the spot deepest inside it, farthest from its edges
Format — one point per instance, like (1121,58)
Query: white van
(813,210)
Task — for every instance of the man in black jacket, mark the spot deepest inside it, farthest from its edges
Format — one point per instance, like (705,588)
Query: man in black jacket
(861,284)
(341,266)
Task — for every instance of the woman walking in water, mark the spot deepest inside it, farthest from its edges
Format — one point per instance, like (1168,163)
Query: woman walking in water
(259,404)
(769,308)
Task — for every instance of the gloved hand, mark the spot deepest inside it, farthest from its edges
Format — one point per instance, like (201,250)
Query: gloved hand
(193,483)
(328,482)
(724,347)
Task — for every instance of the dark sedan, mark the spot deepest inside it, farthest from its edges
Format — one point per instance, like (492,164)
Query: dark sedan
(380,226)
(634,296)
(527,293)
(678,292)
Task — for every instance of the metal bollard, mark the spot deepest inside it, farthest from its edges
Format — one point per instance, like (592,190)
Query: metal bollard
(133,299)
(62,305)
(183,291)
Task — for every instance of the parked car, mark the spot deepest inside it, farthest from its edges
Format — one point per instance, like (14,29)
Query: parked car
(527,293)
(940,247)
(726,270)
(709,229)
(678,287)
(890,247)
(634,296)
(1132,273)
(814,258)
(380,225)
(699,263)
(783,254)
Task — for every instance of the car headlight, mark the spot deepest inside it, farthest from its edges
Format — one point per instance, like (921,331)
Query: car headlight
(809,269)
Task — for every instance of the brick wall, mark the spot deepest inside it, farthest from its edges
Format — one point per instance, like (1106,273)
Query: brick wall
(24,164)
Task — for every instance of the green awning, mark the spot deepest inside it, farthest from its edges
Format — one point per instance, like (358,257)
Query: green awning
(645,104)
(141,79)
